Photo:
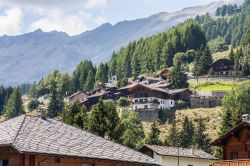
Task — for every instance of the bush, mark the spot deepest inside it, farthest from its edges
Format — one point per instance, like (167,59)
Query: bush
(123,102)
(33,104)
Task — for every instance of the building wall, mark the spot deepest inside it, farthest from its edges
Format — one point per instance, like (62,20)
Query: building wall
(183,161)
(7,153)
(16,159)
(239,143)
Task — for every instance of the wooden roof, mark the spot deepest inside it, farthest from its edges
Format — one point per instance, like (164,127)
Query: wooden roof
(34,135)
(221,140)
(181,152)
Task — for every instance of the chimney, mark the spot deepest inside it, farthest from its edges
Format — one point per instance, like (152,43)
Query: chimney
(41,112)
(245,117)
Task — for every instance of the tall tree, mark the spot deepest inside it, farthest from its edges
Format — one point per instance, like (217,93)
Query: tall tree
(14,105)
(177,77)
(33,93)
(153,137)
(75,115)
(235,103)
(187,133)
(56,103)
(132,134)
(173,138)
(201,139)
(104,121)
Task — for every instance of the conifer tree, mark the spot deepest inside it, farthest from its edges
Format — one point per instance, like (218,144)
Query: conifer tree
(75,115)
(173,138)
(104,121)
(177,77)
(187,134)
(231,54)
(132,134)
(153,137)
(14,105)
(56,103)
(33,93)
(201,139)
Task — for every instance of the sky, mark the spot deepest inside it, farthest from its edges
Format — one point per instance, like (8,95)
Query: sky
(77,16)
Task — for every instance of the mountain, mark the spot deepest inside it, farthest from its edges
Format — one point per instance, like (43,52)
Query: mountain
(28,57)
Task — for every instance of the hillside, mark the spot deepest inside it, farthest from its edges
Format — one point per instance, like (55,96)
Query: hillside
(211,118)
(30,56)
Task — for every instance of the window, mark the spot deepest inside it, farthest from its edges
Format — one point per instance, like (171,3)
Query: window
(248,138)
(57,160)
(146,106)
(88,164)
(4,162)
(234,155)
(190,165)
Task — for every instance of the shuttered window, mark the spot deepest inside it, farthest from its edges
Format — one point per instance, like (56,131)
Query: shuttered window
(4,162)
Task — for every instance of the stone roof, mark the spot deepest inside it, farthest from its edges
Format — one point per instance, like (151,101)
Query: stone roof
(183,152)
(29,134)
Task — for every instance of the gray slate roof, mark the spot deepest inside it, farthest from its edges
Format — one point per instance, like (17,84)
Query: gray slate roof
(35,135)
(183,152)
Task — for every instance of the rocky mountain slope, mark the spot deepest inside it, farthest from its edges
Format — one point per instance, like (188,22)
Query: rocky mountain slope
(28,57)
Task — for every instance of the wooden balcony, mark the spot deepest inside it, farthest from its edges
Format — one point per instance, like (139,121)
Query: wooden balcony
(243,162)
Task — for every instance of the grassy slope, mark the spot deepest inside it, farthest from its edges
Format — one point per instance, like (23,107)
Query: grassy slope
(208,86)
(211,118)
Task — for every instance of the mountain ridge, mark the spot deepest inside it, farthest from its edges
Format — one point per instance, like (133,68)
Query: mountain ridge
(28,57)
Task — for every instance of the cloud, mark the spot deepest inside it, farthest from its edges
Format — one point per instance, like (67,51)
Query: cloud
(95,3)
(58,3)
(73,24)
(11,21)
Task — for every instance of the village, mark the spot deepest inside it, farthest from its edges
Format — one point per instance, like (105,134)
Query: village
(125,83)
(38,140)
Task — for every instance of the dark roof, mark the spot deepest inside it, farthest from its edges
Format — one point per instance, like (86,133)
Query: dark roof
(77,93)
(222,61)
(220,140)
(183,152)
(34,135)
(174,91)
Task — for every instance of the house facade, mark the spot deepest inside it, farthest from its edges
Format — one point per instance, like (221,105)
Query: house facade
(78,96)
(221,67)
(235,143)
(147,97)
(173,156)
(35,141)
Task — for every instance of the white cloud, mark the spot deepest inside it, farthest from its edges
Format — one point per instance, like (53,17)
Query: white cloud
(73,24)
(95,3)
(11,21)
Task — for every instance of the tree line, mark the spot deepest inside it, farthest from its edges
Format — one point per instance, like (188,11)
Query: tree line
(227,10)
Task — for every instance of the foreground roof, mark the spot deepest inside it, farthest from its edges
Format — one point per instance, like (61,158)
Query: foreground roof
(183,152)
(29,134)
(221,140)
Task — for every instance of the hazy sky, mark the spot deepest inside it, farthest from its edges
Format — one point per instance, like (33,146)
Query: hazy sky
(76,16)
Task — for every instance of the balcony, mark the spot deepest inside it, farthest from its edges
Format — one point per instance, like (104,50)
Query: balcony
(243,162)
(145,101)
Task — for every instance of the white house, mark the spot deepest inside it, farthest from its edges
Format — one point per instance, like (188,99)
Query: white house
(112,81)
(173,156)
(152,103)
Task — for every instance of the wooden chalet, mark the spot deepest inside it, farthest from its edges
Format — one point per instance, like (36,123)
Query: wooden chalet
(164,74)
(221,67)
(78,96)
(235,144)
(35,141)
(180,94)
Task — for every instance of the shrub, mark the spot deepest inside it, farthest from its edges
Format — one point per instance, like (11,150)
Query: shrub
(123,101)
(33,104)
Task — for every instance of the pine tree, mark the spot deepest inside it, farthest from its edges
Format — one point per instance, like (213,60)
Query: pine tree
(75,115)
(177,77)
(173,138)
(201,139)
(187,134)
(153,137)
(14,105)
(132,134)
(56,103)
(33,93)
(97,122)
(231,54)
(90,82)
(104,121)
